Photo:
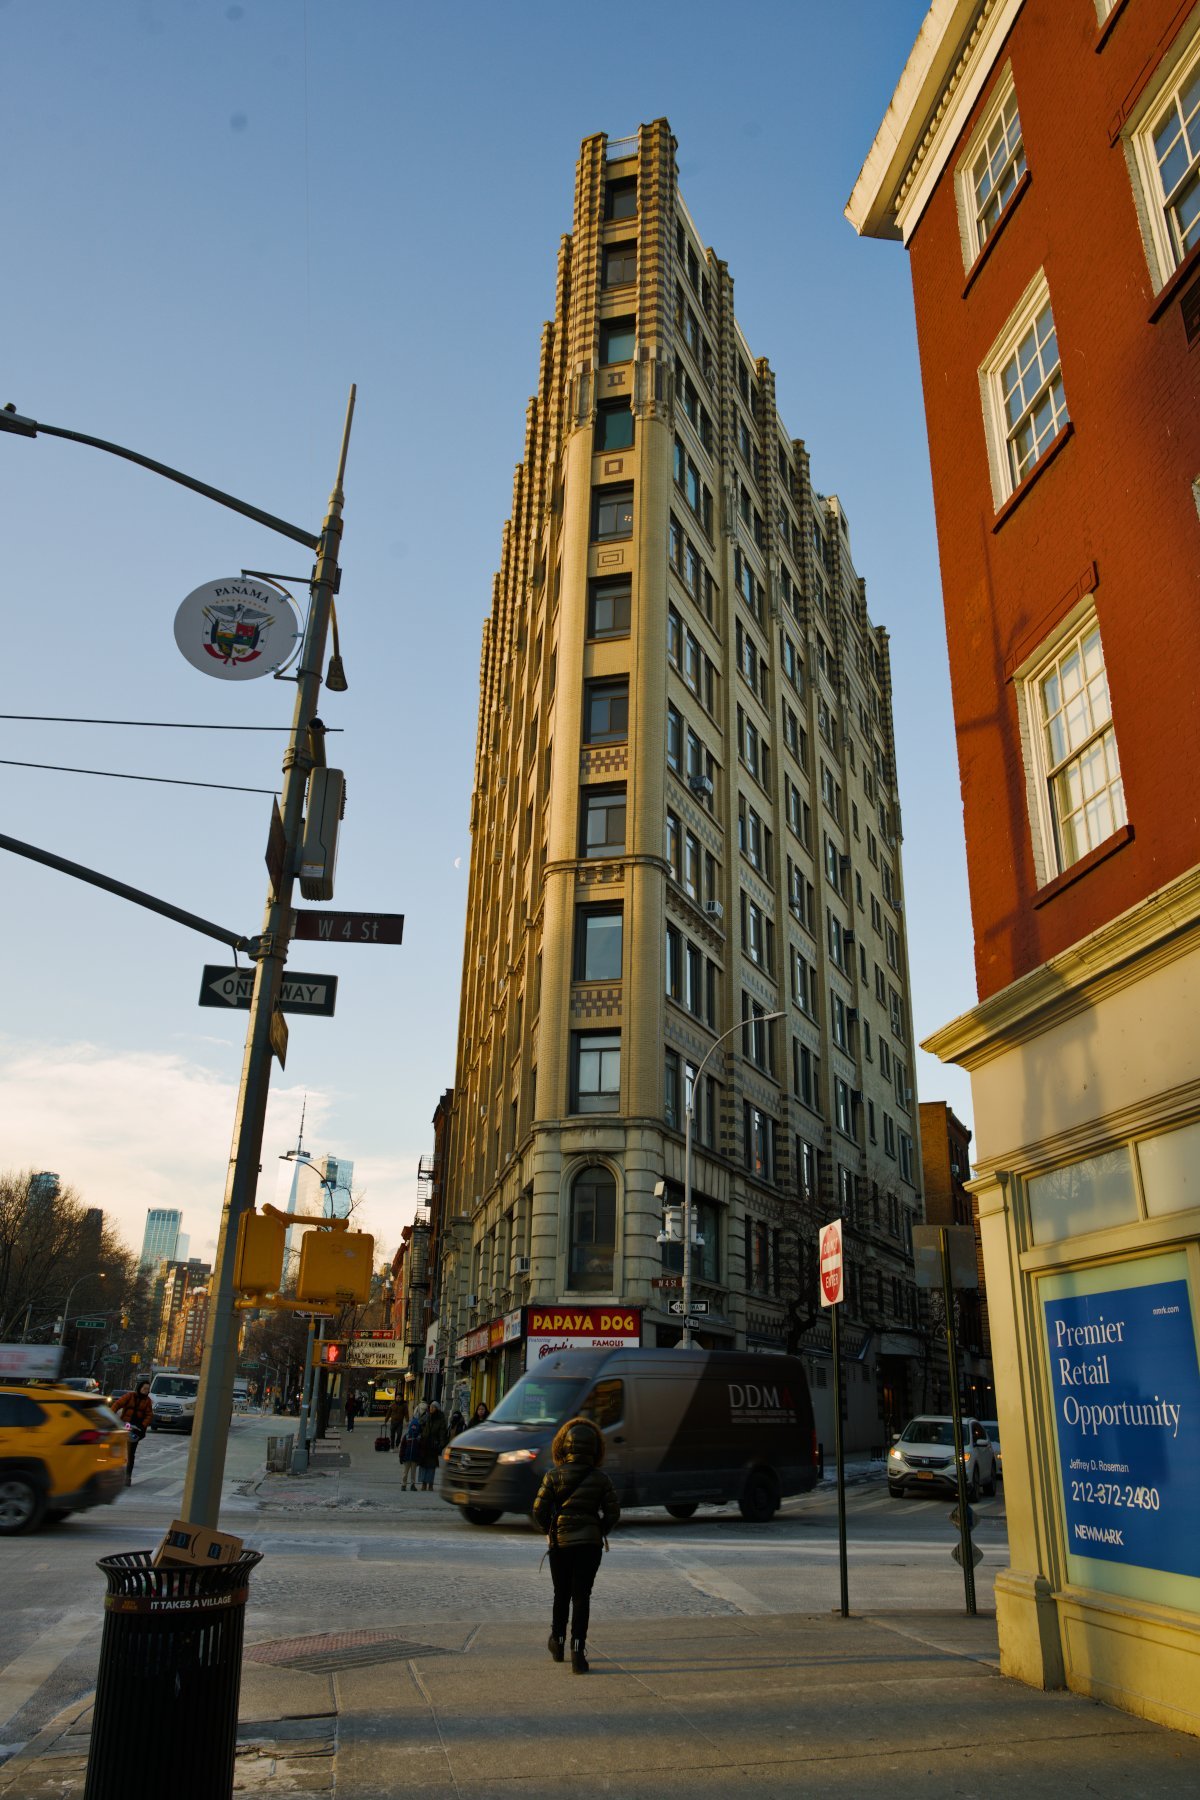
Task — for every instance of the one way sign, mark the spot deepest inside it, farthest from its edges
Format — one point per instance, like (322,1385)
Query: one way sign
(313,994)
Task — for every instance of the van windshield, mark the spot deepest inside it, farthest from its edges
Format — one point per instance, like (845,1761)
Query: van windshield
(178,1387)
(538,1400)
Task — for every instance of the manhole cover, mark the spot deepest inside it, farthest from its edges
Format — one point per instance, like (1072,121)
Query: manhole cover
(334,1650)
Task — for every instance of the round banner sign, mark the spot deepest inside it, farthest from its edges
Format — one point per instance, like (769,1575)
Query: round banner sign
(237,629)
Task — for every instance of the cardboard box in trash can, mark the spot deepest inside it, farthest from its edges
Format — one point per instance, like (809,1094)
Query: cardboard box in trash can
(195,1547)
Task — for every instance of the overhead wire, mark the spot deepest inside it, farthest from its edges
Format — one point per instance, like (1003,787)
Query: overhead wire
(153,724)
(227,787)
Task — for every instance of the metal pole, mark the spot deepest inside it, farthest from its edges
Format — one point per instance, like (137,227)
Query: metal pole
(300,1448)
(314,1404)
(964,1515)
(206,1460)
(839,1458)
(94,1276)
(688,1115)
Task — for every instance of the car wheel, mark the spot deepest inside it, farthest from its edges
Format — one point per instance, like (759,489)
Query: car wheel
(481,1515)
(683,1511)
(760,1497)
(21,1505)
(897,1493)
(189,1428)
(154,1428)
(989,1487)
(974,1489)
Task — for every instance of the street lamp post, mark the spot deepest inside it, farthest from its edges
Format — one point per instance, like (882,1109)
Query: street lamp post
(206,1459)
(689,1119)
(93,1275)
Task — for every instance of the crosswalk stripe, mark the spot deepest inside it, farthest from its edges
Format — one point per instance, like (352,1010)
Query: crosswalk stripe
(21,1678)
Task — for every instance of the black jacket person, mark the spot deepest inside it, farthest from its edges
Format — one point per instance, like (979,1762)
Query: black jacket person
(576,1506)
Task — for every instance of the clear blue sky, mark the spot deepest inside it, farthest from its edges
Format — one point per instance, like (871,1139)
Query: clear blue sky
(217,216)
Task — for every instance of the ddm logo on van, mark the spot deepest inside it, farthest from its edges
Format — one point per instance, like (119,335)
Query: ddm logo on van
(752,1403)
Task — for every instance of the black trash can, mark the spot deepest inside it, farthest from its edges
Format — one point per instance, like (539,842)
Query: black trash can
(165,1719)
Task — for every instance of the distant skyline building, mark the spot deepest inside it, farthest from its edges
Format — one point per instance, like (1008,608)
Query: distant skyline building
(337,1176)
(160,1241)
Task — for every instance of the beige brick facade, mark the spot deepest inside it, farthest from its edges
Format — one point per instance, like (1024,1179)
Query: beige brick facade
(685,750)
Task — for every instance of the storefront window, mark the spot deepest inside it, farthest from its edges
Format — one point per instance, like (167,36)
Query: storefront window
(1091,1195)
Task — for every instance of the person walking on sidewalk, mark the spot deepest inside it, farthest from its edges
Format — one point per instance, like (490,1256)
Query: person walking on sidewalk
(397,1419)
(137,1410)
(431,1445)
(351,1411)
(409,1445)
(576,1506)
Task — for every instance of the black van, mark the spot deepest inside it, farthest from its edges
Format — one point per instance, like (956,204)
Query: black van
(681,1426)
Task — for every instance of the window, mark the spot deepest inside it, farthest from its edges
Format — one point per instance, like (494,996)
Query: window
(593,1232)
(597,944)
(759,1142)
(606,712)
(993,165)
(1163,147)
(806,1075)
(619,265)
(754,838)
(608,608)
(620,199)
(602,822)
(758,934)
(843,1106)
(673,840)
(616,341)
(614,425)
(1022,384)
(758,1043)
(762,1271)
(1076,777)
(808,1162)
(612,513)
(596,1071)
(674,739)
(804,984)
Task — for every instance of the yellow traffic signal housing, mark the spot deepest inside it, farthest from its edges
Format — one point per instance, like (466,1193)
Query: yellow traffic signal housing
(335,1265)
(258,1262)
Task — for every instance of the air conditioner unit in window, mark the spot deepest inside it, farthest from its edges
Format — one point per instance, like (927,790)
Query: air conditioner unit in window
(701,784)
(472,1300)
(847,937)
(714,909)
(520,1265)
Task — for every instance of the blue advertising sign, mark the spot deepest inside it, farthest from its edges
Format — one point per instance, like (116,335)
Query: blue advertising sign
(1126,1386)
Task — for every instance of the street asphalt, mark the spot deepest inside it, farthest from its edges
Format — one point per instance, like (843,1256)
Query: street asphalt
(896,1703)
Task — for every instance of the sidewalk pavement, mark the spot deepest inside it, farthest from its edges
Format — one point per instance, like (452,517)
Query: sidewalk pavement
(903,1705)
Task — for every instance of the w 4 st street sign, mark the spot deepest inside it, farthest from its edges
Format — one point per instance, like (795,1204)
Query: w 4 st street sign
(313,994)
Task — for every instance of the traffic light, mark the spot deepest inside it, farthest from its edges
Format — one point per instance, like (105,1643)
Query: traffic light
(335,1265)
(258,1261)
(331,1355)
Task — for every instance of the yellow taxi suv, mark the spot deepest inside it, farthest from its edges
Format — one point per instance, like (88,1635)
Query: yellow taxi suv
(60,1452)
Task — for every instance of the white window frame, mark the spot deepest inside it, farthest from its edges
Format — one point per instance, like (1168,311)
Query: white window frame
(973,235)
(1181,62)
(1029,309)
(1048,852)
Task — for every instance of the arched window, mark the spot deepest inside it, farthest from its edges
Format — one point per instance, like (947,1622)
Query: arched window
(593,1232)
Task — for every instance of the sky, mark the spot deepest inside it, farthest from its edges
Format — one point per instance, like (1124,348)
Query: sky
(223,215)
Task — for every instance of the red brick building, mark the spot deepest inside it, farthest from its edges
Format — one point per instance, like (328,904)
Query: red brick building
(1040,161)
(945,1171)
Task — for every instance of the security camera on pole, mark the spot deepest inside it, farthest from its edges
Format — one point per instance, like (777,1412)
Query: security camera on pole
(831,1279)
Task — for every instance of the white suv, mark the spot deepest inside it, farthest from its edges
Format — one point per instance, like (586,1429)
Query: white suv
(923,1457)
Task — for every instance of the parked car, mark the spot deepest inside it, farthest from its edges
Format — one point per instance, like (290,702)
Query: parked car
(174,1397)
(992,1427)
(83,1384)
(922,1457)
(680,1427)
(60,1452)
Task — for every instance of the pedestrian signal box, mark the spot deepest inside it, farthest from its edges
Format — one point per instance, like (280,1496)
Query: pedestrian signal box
(335,1265)
(331,1354)
(258,1260)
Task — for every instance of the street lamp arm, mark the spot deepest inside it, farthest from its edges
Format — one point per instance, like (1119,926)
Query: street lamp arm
(732,1032)
(235,939)
(24,427)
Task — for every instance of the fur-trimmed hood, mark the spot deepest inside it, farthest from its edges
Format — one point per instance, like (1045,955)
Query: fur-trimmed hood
(580,1440)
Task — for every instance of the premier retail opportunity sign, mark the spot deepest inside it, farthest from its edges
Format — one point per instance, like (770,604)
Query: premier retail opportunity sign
(1126,1388)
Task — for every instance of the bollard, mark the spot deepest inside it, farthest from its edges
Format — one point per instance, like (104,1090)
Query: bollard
(166,1712)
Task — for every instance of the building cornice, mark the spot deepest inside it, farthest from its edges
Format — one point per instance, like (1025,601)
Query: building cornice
(955,52)
(1156,932)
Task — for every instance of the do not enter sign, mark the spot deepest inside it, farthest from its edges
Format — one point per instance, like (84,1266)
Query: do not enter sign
(831,1263)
